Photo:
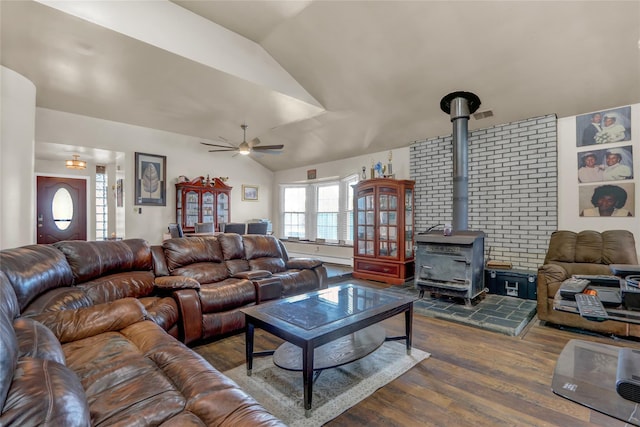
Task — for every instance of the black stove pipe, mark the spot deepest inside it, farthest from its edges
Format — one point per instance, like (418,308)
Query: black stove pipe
(460,105)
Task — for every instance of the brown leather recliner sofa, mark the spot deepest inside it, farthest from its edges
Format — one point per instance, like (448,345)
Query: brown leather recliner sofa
(584,253)
(77,347)
(212,278)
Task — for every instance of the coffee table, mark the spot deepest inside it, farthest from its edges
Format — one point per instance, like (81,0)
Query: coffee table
(316,322)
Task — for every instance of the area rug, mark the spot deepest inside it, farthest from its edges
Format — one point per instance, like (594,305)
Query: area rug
(335,390)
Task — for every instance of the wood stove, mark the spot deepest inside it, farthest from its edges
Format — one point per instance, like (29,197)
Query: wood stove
(453,263)
(450,265)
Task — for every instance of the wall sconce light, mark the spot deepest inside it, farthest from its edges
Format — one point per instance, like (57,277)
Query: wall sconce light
(75,163)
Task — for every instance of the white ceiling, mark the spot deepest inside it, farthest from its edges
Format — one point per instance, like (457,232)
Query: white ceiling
(356,76)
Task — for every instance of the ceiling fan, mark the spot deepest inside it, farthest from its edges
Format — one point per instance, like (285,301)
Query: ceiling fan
(246,147)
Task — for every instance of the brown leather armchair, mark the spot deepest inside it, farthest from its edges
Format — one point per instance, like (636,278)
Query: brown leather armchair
(584,253)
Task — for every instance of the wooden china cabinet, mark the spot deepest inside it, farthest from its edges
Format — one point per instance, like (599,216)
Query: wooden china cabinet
(383,228)
(202,200)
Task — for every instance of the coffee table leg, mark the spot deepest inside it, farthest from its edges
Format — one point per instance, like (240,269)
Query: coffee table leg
(307,379)
(408,324)
(249,347)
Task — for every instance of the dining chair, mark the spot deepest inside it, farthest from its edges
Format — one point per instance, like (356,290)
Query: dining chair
(175,230)
(257,227)
(235,227)
(204,227)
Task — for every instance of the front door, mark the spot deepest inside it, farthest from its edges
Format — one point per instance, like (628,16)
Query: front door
(62,209)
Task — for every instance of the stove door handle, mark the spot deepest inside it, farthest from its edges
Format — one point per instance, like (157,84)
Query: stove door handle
(461,260)
(457,279)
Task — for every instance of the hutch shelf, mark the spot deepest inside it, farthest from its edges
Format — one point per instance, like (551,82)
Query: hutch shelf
(202,200)
(383,225)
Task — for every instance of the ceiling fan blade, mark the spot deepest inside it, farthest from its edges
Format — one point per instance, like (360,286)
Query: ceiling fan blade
(215,145)
(254,142)
(227,150)
(269,147)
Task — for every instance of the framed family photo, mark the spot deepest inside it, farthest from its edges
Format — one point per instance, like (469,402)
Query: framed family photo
(250,193)
(150,180)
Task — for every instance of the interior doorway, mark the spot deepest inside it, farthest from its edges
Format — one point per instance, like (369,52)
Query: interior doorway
(61,209)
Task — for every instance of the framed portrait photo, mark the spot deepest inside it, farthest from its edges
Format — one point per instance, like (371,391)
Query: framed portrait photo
(250,193)
(150,180)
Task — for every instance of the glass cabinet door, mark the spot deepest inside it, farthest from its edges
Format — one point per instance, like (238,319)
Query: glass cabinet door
(366,225)
(179,206)
(408,222)
(192,209)
(223,208)
(208,199)
(387,223)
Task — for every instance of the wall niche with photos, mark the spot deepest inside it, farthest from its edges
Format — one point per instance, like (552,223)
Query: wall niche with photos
(605,163)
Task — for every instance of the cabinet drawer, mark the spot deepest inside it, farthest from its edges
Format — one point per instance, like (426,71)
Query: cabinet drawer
(377,268)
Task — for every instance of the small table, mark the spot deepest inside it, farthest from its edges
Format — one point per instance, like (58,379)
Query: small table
(586,374)
(315,319)
(618,313)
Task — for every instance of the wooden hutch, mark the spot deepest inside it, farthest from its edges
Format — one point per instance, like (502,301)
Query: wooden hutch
(383,227)
(202,200)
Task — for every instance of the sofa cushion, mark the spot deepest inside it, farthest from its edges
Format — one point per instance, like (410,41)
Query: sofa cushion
(619,247)
(62,402)
(89,260)
(562,247)
(176,282)
(259,246)
(588,247)
(72,325)
(64,298)
(190,250)
(133,284)
(34,269)
(122,383)
(232,246)
(37,341)
(226,295)
(8,341)
(273,265)
(203,272)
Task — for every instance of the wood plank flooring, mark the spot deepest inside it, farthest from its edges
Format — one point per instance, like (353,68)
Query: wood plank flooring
(473,378)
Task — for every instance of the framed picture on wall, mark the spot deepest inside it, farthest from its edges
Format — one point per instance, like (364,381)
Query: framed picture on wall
(609,164)
(150,180)
(607,200)
(603,127)
(250,193)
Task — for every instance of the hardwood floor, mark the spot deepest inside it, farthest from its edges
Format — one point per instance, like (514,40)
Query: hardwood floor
(473,378)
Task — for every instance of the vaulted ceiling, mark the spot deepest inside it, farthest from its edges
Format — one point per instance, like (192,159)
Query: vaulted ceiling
(328,79)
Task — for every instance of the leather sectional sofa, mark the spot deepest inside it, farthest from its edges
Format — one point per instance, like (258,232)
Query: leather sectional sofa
(584,253)
(88,330)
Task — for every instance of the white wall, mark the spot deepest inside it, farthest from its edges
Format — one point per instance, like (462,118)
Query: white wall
(185,156)
(568,187)
(17,188)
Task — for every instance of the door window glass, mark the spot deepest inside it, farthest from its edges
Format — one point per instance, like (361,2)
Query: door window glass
(62,208)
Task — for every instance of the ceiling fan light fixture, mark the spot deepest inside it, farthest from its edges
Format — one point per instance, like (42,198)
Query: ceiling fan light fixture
(75,163)
(244,148)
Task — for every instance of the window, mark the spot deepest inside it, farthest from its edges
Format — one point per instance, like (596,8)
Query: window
(319,210)
(101,204)
(294,200)
(328,209)
(348,210)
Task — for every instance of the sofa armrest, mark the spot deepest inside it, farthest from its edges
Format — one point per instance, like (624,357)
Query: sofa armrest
(169,283)
(252,274)
(303,263)
(190,321)
(73,325)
